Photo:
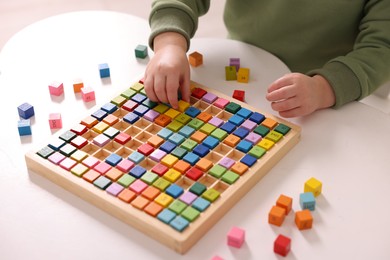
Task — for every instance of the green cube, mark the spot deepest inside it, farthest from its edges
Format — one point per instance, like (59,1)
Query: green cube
(141,51)
(257,151)
(189,144)
(211,195)
(198,188)
(233,107)
(230,177)
(177,206)
(219,134)
(190,214)
(217,171)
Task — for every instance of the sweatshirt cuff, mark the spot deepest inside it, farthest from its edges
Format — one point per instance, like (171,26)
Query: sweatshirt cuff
(163,19)
(343,81)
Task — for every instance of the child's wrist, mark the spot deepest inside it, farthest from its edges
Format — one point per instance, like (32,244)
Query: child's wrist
(326,94)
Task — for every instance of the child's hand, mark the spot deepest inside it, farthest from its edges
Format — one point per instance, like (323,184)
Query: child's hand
(296,94)
(168,71)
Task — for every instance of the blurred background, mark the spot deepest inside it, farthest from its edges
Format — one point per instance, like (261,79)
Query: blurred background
(17,14)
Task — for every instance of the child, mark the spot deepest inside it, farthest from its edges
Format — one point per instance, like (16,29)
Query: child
(339,51)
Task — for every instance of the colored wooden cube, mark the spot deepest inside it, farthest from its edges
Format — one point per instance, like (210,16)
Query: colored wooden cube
(230,73)
(104,70)
(55,121)
(195,59)
(239,95)
(87,94)
(77,85)
(141,51)
(235,62)
(282,245)
(236,237)
(24,127)
(243,75)
(313,185)
(284,202)
(276,216)
(56,88)
(303,219)
(26,110)
(307,201)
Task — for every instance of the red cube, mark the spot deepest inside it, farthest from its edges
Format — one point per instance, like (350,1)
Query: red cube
(282,245)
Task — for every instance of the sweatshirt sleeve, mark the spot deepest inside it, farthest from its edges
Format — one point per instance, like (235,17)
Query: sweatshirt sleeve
(179,16)
(361,71)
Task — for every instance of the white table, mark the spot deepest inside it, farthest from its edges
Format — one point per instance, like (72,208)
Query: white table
(347,149)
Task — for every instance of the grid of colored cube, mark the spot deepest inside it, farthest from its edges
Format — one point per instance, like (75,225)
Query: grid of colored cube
(172,164)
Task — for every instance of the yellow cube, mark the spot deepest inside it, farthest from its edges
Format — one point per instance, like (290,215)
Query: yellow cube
(169,160)
(164,200)
(314,186)
(243,75)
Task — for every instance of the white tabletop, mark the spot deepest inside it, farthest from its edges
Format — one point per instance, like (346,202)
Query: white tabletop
(347,149)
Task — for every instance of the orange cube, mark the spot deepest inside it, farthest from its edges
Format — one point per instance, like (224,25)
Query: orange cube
(276,216)
(195,59)
(303,219)
(284,202)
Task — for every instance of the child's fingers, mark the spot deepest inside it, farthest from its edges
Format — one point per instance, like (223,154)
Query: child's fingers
(282,93)
(160,88)
(185,88)
(172,88)
(149,89)
(279,83)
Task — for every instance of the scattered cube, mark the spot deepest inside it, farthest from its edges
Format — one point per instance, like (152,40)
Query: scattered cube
(236,237)
(195,59)
(276,216)
(307,201)
(313,185)
(77,85)
(284,202)
(56,88)
(230,73)
(26,110)
(239,95)
(104,70)
(303,219)
(24,127)
(282,245)
(235,62)
(243,75)
(55,121)
(87,94)
(141,51)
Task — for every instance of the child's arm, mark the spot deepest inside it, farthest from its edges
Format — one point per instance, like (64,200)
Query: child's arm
(296,94)
(168,71)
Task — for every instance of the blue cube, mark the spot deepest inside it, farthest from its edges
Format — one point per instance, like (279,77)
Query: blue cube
(104,70)
(307,201)
(24,127)
(26,110)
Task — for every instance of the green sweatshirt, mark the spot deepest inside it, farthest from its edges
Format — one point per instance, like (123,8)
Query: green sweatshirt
(345,41)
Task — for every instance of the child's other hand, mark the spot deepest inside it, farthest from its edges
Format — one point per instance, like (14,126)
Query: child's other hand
(168,71)
(296,94)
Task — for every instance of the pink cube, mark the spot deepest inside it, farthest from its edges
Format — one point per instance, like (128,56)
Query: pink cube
(236,237)
(56,88)
(55,121)
(217,258)
(87,94)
